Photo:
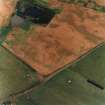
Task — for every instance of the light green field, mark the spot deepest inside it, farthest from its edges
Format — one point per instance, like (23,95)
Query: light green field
(15,76)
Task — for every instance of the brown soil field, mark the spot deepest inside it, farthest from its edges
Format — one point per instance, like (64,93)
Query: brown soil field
(6,9)
(101,2)
(70,34)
